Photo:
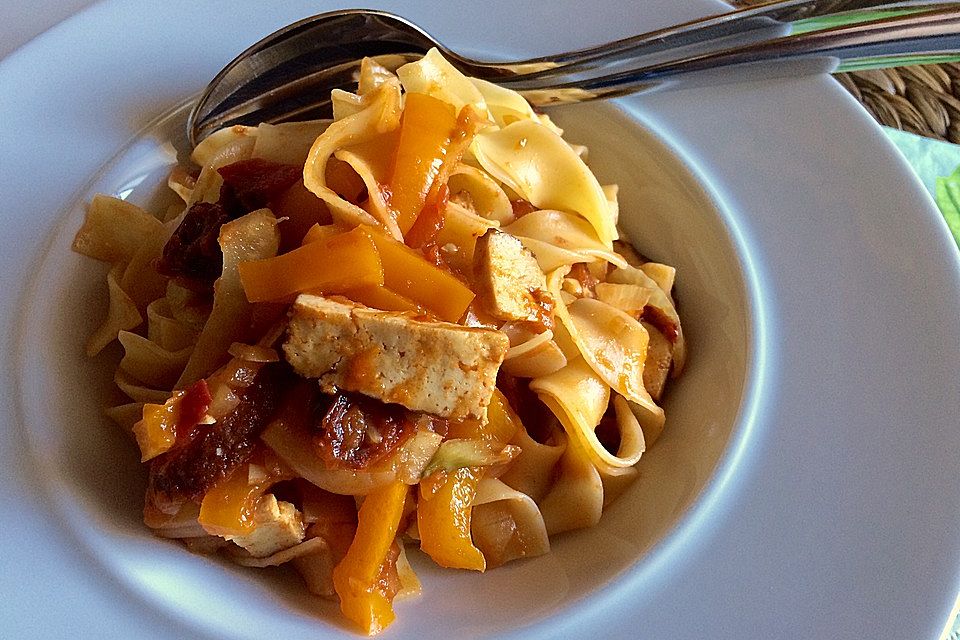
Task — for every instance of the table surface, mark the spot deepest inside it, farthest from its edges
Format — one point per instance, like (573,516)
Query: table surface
(20,22)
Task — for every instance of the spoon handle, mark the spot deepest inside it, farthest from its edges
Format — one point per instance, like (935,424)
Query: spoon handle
(920,36)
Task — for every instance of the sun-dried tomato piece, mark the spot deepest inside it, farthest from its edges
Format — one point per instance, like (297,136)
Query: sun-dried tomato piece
(188,471)
(192,252)
(255,182)
(355,431)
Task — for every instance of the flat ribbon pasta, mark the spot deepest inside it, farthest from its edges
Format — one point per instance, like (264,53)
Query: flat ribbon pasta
(506,524)
(225,146)
(566,231)
(532,471)
(250,237)
(486,197)
(538,356)
(612,342)
(436,77)
(660,301)
(539,165)
(380,115)
(287,142)
(575,501)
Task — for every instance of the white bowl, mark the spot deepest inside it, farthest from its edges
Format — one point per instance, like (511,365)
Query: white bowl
(811,434)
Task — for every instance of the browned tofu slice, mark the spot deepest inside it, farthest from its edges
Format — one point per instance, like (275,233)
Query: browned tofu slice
(277,526)
(436,367)
(508,278)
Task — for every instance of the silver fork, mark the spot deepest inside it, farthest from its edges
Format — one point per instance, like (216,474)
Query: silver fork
(289,74)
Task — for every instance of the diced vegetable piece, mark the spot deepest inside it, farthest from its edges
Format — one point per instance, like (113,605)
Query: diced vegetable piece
(501,425)
(380,297)
(228,508)
(443,519)
(345,261)
(321,232)
(433,214)
(302,209)
(363,599)
(425,129)
(157,431)
(406,272)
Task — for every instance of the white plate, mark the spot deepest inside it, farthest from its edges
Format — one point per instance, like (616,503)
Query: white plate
(823,504)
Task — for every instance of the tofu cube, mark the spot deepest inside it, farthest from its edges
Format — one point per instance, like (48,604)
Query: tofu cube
(507,277)
(436,367)
(277,526)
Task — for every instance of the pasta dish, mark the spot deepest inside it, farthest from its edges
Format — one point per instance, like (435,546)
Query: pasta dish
(415,326)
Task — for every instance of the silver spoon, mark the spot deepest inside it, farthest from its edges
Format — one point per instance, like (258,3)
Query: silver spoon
(289,74)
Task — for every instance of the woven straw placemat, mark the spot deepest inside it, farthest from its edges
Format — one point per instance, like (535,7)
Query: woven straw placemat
(921,99)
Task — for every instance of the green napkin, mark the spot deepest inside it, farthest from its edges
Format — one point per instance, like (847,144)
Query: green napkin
(938,166)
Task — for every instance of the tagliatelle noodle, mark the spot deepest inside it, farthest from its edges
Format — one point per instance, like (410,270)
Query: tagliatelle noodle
(460,232)
(506,524)
(140,279)
(122,314)
(114,229)
(371,161)
(538,356)
(575,500)
(287,142)
(137,391)
(536,163)
(150,363)
(225,146)
(436,77)
(579,398)
(612,342)
(566,231)
(532,471)
(486,197)
(661,301)
(380,115)
(250,237)
(662,274)
(165,330)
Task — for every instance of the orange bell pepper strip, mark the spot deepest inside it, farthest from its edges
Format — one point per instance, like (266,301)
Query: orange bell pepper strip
(322,232)
(443,519)
(157,431)
(431,219)
(356,579)
(333,265)
(501,425)
(378,297)
(425,129)
(228,508)
(300,209)
(406,272)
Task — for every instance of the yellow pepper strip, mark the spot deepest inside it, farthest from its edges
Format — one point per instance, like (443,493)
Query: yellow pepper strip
(333,265)
(357,578)
(425,129)
(406,272)
(157,431)
(501,425)
(228,508)
(443,519)
(377,297)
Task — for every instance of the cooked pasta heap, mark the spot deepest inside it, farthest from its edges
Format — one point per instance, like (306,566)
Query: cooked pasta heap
(413,325)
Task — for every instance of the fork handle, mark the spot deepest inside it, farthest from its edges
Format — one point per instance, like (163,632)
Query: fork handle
(925,36)
(737,27)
